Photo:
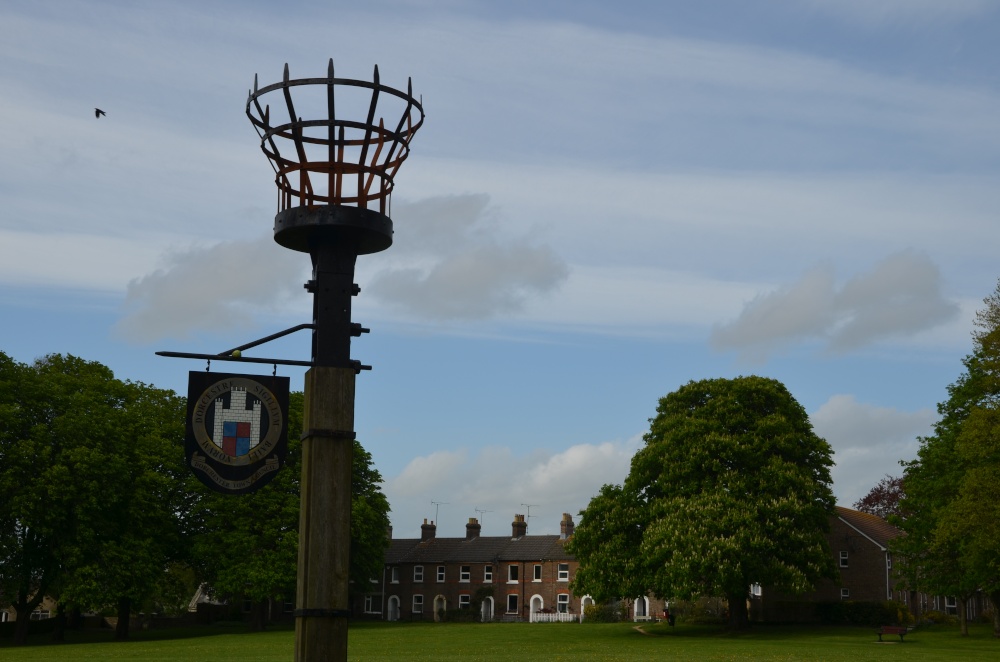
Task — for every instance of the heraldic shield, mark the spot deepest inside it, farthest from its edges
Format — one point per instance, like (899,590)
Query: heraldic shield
(237,429)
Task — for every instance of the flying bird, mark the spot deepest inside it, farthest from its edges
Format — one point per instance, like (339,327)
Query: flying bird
(98,112)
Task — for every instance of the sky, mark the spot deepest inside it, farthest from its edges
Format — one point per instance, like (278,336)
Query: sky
(606,201)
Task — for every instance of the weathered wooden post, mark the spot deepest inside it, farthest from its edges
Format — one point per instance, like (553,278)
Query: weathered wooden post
(334,174)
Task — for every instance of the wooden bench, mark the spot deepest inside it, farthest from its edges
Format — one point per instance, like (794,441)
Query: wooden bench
(891,629)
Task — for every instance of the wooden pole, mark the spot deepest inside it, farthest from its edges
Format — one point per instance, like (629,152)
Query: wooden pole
(322,605)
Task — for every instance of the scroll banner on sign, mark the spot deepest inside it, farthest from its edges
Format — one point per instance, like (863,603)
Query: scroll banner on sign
(237,429)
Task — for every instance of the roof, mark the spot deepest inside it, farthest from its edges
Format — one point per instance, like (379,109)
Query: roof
(477,550)
(872,527)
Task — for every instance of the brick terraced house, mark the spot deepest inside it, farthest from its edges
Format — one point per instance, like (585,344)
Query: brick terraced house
(519,578)
(859,543)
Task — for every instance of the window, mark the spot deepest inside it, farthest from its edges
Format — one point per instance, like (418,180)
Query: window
(373,604)
(464,601)
(950,605)
(394,575)
(512,573)
(538,573)
(845,593)
(512,603)
(562,603)
(889,596)
(755,590)
(418,573)
(843,559)
(563,569)
(488,573)
(440,575)
(465,574)
(888,561)
(418,604)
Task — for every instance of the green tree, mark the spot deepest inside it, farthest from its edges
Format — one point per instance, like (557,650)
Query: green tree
(136,529)
(948,511)
(88,518)
(731,489)
(247,544)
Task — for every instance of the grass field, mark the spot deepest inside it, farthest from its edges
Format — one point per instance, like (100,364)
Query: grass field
(502,642)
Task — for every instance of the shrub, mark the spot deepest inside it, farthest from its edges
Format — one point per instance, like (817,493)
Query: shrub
(601,614)
(872,613)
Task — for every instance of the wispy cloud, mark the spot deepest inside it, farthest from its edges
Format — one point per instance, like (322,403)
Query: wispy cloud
(900,297)
(453,263)
(208,289)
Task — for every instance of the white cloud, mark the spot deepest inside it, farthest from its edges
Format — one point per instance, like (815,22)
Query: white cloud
(453,263)
(868,442)
(216,288)
(901,296)
(500,481)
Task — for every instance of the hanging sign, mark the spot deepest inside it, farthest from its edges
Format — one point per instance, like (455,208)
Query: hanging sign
(237,429)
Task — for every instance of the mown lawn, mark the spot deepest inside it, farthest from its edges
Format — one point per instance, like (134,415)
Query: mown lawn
(502,642)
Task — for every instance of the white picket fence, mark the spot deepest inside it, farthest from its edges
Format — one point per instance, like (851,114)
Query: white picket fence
(554,617)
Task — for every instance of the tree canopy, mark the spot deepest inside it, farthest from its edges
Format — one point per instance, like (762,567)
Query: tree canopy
(951,507)
(883,499)
(246,545)
(732,488)
(90,516)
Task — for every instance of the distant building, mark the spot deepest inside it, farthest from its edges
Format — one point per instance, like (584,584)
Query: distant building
(859,543)
(519,577)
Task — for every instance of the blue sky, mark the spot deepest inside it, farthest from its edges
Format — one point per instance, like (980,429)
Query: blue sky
(606,201)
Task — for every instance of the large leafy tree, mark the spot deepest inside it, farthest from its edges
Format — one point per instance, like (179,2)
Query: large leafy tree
(731,489)
(88,517)
(247,545)
(950,511)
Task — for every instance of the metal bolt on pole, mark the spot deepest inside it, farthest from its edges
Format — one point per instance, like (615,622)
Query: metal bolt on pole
(335,177)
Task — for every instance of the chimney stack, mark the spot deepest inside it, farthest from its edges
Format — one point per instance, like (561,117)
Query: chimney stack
(566,527)
(519,527)
(472,529)
(427,531)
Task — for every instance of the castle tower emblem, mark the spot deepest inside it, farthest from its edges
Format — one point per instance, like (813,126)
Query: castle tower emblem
(237,429)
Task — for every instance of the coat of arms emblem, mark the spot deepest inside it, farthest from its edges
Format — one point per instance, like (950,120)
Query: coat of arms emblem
(237,429)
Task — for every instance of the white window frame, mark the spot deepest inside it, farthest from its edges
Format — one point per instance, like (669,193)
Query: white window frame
(418,603)
(845,593)
(488,573)
(464,600)
(418,573)
(465,573)
(394,575)
(440,573)
(562,603)
(844,559)
(371,599)
(513,573)
(563,572)
(537,576)
(512,597)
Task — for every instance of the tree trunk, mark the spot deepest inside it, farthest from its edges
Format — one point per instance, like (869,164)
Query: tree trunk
(258,616)
(124,615)
(59,631)
(739,619)
(963,619)
(23,608)
(995,601)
